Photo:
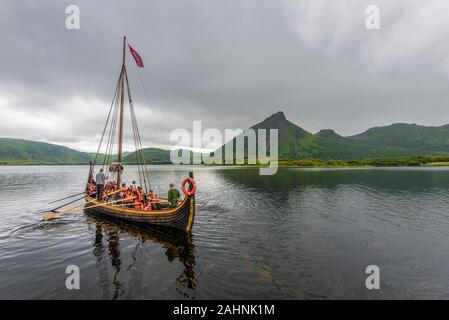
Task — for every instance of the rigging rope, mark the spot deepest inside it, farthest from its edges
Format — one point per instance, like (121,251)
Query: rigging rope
(107,120)
(141,153)
(109,144)
(111,138)
(111,127)
(141,162)
(149,104)
(134,132)
(138,133)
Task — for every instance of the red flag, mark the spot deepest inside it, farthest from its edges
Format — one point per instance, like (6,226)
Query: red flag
(136,56)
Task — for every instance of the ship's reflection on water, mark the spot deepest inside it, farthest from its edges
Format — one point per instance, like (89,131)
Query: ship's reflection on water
(107,243)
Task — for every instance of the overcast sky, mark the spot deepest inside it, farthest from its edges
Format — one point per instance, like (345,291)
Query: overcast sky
(228,63)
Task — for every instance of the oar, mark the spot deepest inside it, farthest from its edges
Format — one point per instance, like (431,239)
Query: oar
(91,201)
(54,209)
(97,205)
(101,204)
(53,215)
(77,199)
(73,195)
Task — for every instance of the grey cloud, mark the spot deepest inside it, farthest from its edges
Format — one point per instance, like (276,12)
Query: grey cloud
(227,63)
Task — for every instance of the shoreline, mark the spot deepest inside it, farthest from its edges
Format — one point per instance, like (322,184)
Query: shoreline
(417,161)
(256,166)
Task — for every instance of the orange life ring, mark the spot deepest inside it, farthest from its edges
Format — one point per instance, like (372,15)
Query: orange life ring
(191,192)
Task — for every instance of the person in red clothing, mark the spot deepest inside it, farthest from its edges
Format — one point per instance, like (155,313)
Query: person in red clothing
(138,201)
(137,204)
(153,199)
(122,193)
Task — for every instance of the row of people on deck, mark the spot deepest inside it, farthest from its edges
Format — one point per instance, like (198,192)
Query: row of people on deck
(127,196)
(131,196)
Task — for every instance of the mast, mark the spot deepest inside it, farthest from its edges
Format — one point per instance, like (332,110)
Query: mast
(122,101)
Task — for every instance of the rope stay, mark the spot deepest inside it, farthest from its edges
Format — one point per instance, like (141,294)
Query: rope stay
(110,129)
(149,104)
(107,119)
(140,156)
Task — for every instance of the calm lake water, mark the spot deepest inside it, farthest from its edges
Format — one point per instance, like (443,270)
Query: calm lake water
(301,234)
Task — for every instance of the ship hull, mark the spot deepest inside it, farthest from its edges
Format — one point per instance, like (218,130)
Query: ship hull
(181,217)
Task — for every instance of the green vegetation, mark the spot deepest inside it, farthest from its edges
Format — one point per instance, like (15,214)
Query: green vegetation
(418,139)
(152,155)
(380,162)
(100,157)
(395,145)
(24,152)
(20,152)
(394,141)
(155,156)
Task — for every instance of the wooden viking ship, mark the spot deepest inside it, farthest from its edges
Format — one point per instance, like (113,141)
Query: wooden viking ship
(180,217)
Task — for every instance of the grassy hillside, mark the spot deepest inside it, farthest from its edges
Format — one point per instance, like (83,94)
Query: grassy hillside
(100,157)
(412,137)
(154,156)
(395,141)
(16,151)
(25,152)
(380,162)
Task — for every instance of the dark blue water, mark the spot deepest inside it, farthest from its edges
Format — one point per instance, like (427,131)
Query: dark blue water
(301,234)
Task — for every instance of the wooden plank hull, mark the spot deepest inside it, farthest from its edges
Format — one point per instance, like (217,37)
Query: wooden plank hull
(181,217)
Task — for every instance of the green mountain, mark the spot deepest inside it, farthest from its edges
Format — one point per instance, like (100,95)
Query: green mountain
(393,141)
(415,139)
(25,152)
(396,140)
(155,156)
(17,151)
(152,155)
(101,156)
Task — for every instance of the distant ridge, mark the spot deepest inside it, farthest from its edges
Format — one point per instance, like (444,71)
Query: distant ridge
(416,138)
(295,143)
(18,151)
(328,134)
(396,140)
(26,152)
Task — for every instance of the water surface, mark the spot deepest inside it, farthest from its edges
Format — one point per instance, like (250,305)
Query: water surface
(301,234)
